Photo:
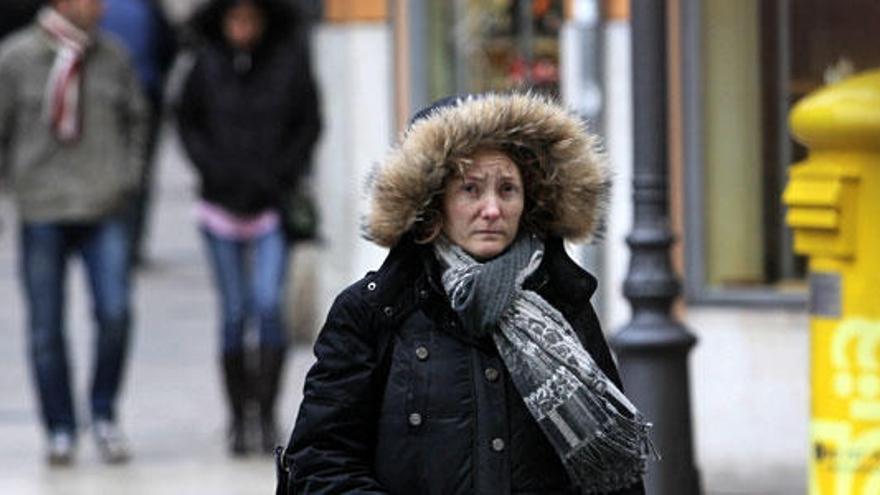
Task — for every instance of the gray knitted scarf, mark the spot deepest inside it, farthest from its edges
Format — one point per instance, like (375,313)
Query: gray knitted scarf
(598,433)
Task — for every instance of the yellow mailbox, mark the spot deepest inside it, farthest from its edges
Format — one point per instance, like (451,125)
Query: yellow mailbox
(833,200)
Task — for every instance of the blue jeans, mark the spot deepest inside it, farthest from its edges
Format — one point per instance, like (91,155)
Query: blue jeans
(45,249)
(249,276)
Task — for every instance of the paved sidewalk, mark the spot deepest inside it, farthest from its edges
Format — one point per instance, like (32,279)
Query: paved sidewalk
(172,404)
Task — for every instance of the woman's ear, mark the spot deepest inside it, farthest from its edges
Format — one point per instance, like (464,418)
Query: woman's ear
(431,233)
(437,229)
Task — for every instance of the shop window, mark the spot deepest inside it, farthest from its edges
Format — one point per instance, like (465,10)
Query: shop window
(744,65)
(479,45)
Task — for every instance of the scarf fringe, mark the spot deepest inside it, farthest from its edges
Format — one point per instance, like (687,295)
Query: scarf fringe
(598,467)
(616,456)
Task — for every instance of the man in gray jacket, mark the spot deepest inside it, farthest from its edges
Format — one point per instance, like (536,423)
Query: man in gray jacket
(72,134)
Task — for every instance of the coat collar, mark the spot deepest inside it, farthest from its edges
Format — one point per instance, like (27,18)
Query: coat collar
(410,277)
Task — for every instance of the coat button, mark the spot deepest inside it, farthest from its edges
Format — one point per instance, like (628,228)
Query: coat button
(415,419)
(422,352)
(371,286)
(388,310)
(423,293)
(492,374)
(497,445)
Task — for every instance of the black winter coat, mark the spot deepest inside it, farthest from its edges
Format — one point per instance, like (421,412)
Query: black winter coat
(433,411)
(250,133)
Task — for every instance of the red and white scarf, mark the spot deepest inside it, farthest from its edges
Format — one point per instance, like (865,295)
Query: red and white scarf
(61,105)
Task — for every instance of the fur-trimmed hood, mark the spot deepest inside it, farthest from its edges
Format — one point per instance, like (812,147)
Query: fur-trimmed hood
(578,178)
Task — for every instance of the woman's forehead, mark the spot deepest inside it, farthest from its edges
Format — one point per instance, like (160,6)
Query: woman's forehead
(485,162)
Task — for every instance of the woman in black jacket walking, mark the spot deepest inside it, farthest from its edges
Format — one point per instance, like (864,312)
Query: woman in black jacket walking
(472,361)
(248,119)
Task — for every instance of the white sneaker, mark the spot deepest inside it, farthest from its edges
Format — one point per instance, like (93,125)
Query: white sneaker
(111,443)
(61,448)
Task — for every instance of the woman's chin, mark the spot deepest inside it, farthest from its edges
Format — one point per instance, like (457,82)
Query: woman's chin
(485,250)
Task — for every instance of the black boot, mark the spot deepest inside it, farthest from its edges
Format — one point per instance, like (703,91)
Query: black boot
(271,365)
(235,376)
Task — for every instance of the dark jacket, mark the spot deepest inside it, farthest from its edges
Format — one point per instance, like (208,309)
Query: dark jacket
(434,410)
(250,130)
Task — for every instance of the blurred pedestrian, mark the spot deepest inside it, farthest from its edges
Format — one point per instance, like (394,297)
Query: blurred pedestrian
(72,132)
(143,28)
(472,360)
(248,119)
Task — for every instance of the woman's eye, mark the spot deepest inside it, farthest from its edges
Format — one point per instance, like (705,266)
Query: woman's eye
(509,189)
(469,188)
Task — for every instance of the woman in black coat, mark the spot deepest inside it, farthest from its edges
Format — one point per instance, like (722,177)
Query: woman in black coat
(472,361)
(248,119)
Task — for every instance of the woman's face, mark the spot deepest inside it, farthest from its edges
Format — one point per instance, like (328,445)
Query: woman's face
(481,210)
(243,25)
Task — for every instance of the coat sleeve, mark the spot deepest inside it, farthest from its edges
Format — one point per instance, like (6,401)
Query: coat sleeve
(305,121)
(332,445)
(136,115)
(191,125)
(7,102)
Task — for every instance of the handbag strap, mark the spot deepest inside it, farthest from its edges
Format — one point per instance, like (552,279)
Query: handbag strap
(282,472)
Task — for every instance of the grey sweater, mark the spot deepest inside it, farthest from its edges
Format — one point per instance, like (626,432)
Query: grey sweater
(84,180)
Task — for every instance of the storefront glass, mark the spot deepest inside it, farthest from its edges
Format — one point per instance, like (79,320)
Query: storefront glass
(758,58)
(481,45)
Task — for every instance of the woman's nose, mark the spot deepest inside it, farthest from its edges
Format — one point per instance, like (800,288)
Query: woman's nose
(491,208)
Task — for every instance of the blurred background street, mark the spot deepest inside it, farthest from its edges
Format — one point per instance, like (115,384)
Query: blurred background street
(172,406)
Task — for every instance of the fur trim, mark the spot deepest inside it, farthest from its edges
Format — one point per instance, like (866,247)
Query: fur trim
(402,187)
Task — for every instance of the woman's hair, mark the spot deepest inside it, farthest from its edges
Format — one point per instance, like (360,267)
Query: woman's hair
(429,223)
